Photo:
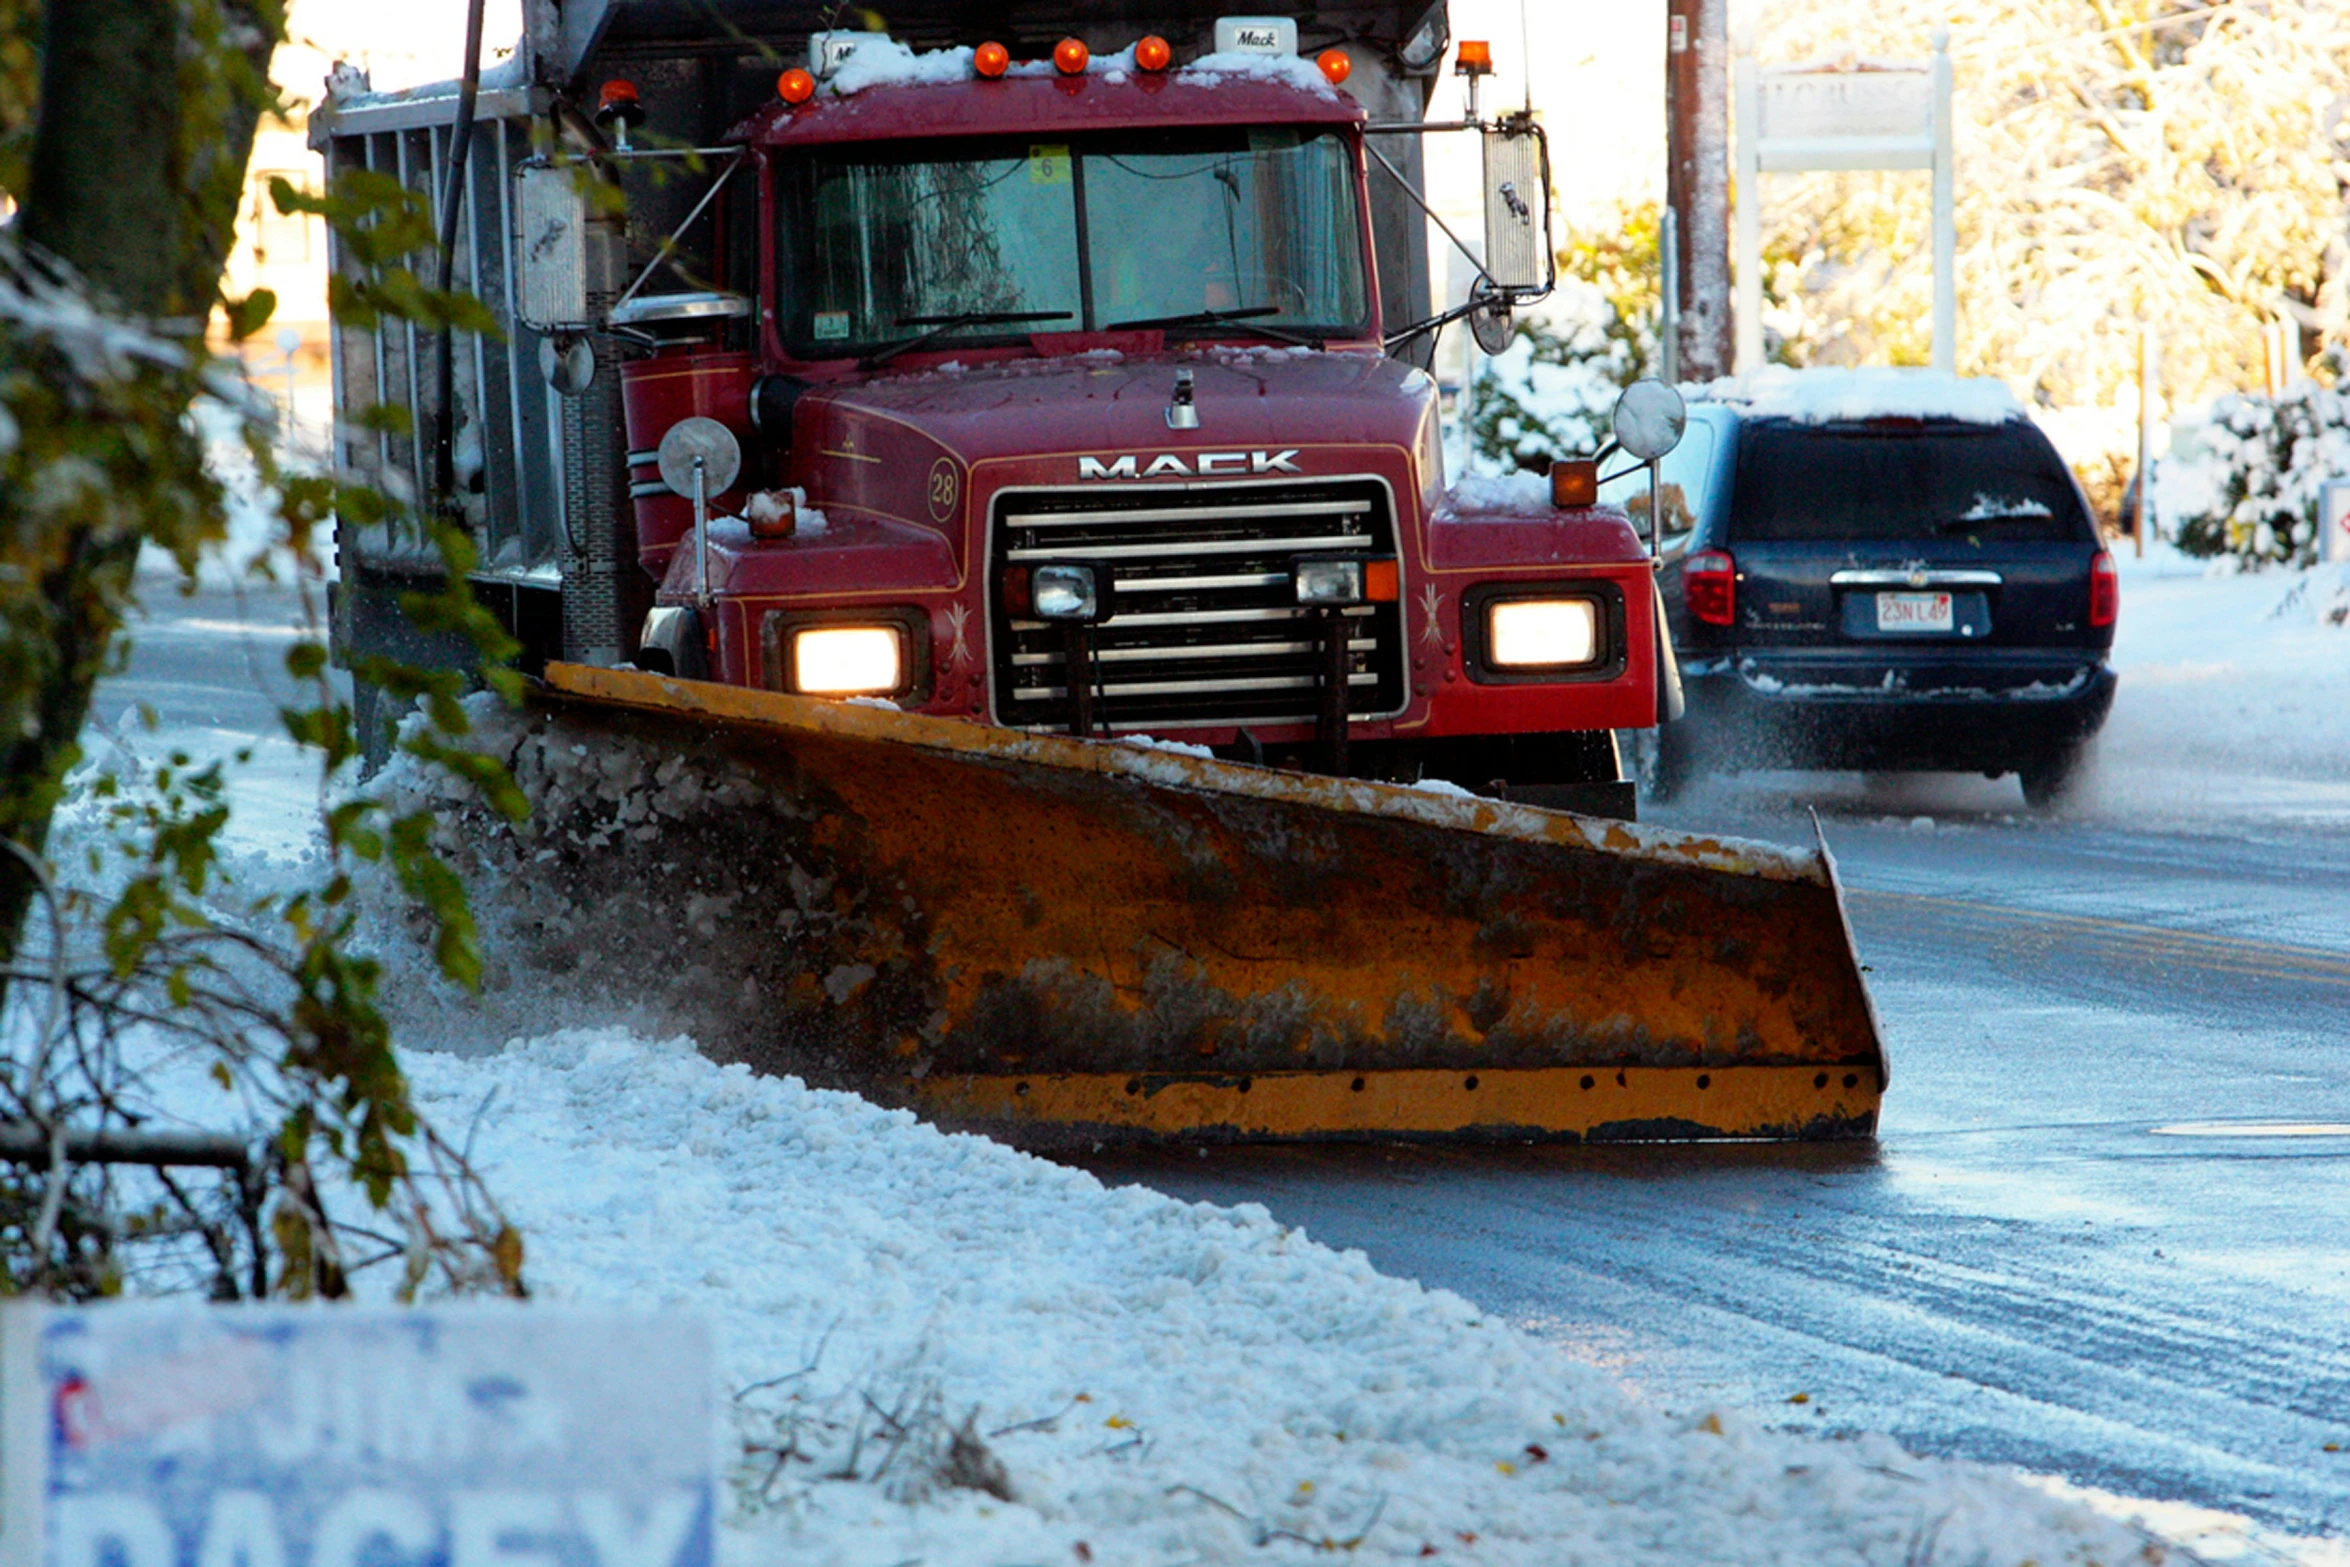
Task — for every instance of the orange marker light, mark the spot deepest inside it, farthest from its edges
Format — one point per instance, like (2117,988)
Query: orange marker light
(1070,56)
(1475,58)
(991,60)
(795,86)
(1336,65)
(1574,481)
(1152,54)
(1381,584)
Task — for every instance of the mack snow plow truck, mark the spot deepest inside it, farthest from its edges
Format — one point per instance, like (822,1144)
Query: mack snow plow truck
(1001,637)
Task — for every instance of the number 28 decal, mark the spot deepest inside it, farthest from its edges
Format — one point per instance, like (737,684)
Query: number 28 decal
(946,488)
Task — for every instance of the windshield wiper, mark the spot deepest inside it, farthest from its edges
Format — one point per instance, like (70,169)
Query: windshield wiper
(941,325)
(1245,317)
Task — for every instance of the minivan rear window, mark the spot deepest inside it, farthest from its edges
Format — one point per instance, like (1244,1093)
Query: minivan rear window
(1902,481)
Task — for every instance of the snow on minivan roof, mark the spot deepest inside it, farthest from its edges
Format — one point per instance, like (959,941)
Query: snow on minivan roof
(1828,396)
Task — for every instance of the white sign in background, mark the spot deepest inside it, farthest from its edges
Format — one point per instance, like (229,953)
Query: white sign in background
(472,1436)
(1875,115)
(1821,105)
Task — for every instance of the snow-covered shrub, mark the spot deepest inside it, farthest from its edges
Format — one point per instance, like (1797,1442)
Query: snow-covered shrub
(2243,478)
(1550,393)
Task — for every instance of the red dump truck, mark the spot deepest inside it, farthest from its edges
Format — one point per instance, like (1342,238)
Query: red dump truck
(889,429)
(1061,382)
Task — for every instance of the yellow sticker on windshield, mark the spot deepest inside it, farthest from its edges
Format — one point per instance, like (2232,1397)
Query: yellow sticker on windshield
(1048,163)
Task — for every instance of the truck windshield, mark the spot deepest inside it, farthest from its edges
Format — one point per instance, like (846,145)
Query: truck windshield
(882,244)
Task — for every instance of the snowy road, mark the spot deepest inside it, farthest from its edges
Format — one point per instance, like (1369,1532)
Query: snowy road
(2101,1234)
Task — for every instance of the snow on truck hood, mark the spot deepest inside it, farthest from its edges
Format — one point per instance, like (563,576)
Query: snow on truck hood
(1828,396)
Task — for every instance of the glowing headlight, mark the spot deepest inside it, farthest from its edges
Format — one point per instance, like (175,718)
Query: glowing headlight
(1522,633)
(847,660)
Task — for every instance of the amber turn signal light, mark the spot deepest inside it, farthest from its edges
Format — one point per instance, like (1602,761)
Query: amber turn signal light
(795,86)
(1574,481)
(1070,56)
(1152,54)
(991,60)
(1382,581)
(1336,65)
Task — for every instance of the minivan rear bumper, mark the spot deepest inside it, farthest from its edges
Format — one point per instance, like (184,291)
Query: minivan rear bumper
(1991,712)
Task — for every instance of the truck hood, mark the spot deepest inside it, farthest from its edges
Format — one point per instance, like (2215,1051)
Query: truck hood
(1107,406)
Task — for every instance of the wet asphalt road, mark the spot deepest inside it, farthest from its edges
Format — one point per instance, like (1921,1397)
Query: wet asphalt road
(2105,1232)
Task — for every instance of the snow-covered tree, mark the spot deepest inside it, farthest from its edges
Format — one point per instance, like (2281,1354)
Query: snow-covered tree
(1548,395)
(2177,164)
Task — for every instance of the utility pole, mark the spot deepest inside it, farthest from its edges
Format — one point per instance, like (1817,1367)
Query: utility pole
(1697,179)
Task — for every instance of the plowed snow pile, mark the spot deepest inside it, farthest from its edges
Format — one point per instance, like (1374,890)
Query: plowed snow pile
(1135,1379)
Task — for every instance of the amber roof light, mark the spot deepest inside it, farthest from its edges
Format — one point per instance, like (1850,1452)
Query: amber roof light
(795,86)
(991,60)
(1070,56)
(1336,65)
(1152,53)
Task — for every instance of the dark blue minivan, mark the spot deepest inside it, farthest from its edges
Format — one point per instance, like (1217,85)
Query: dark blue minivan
(1889,592)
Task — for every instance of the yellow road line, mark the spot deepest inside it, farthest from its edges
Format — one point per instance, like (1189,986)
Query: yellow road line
(2121,938)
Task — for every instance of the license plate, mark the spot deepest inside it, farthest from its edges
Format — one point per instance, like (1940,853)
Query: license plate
(1913,612)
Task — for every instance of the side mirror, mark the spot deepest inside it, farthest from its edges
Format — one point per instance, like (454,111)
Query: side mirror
(550,248)
(1518,256)
(1649,419)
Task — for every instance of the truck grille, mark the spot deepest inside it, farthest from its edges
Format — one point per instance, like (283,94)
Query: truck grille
(1205,629)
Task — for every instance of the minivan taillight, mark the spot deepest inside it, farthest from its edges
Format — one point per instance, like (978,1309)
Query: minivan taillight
(2105,590)
(1709,587)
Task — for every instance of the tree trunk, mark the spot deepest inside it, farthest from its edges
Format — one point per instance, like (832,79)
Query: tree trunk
(142,204)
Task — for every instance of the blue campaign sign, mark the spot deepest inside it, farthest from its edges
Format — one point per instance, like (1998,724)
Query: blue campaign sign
(468,1436)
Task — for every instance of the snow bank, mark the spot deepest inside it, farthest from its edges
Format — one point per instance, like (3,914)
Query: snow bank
(2234,696)
(1152,1380)
(1822,396)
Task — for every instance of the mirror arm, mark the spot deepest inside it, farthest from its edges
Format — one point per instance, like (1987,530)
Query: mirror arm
(1394,340)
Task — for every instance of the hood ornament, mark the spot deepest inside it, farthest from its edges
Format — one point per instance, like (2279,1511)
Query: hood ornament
(1181,413)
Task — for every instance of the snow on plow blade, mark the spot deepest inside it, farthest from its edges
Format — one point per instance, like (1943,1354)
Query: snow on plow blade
(1056,939)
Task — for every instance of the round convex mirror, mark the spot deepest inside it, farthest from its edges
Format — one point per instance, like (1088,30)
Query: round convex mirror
(568,363)
(721,455)
(1649,419)
(1490,323)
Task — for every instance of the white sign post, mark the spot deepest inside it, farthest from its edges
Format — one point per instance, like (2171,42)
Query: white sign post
(171,1435)
(1869,115)
(2333,519)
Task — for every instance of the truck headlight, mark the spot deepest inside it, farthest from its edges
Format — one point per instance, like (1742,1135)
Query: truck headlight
(1344,579)
(1541,633)
(847,660)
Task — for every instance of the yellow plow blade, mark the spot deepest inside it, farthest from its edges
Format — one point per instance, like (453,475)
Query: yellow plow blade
(1063,939)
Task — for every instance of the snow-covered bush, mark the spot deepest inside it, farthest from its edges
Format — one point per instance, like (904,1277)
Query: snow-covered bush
(2242,479)
(1550,393)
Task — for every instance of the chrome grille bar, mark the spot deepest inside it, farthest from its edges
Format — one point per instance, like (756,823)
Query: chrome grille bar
(1154,687)
(1184,514)
(1189,547)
